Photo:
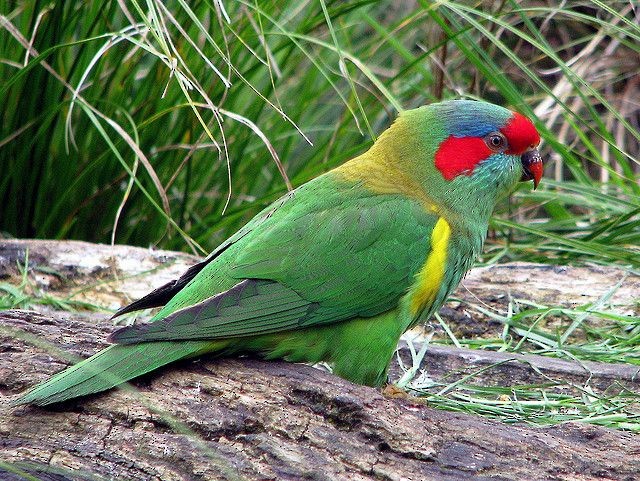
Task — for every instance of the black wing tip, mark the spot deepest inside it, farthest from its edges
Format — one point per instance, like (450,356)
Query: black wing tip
(163,294)
(158,297)
(124,310)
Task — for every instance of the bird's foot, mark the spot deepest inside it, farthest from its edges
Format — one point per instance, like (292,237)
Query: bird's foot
(395,392)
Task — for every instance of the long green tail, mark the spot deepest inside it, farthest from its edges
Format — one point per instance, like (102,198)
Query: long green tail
(110,367)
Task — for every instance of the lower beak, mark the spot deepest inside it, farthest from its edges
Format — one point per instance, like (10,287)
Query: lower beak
(532,166)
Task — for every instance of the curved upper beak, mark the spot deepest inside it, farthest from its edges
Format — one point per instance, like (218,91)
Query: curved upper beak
(532,166)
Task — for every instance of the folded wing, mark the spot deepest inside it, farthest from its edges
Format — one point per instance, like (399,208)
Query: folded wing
(306,266)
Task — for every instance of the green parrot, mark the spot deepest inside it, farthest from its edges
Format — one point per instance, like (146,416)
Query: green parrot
(339,268)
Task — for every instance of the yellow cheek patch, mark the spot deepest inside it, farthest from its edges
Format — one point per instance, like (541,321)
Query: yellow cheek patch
(430,276)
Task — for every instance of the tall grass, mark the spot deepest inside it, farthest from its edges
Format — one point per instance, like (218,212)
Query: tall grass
(142,121)
(172,123)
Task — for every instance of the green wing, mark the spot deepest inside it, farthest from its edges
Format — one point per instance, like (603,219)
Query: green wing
(163,294)
(322,255)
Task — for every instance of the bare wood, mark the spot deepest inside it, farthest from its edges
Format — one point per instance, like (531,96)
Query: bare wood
(249,419)
(489,368)
(567,286)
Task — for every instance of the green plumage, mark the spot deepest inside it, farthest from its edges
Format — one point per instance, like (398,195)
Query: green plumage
(333,271)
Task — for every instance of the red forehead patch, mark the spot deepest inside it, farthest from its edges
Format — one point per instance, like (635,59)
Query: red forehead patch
(460,155)
(521,134)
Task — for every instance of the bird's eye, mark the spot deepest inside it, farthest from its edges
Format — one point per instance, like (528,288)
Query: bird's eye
(496,141)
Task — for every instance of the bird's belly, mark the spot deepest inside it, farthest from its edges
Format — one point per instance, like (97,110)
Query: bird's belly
(358,349)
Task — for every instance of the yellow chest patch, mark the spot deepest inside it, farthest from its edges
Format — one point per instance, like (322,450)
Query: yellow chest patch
(430,277)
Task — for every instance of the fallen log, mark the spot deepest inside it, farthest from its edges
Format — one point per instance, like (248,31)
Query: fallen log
(250,419)
(489,368)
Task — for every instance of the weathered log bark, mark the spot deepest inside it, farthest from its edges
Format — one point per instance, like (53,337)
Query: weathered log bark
(249,419)
(489,368)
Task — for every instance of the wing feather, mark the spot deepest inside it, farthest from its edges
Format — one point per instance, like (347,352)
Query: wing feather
(250,307)
(163,294)
(309,263)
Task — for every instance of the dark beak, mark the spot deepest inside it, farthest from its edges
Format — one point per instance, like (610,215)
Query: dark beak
(532,167)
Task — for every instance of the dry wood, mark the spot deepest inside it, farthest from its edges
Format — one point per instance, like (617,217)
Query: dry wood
(489,368)
(249,419)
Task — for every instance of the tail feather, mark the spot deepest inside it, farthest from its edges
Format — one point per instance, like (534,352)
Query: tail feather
(110,367)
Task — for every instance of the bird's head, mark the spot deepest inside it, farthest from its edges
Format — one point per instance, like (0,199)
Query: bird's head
(458,155)
(485,144)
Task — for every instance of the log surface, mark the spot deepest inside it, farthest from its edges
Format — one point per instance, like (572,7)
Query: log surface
(237,419)
(250,419)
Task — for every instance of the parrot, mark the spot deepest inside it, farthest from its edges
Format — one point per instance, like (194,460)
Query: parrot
(336,270)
